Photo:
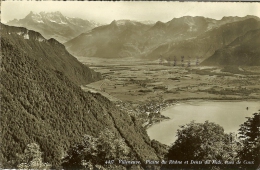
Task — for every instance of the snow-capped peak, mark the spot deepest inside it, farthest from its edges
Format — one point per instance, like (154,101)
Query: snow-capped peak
(124,22)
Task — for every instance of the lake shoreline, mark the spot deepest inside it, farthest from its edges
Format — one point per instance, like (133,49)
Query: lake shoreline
(198,110)
(191,101)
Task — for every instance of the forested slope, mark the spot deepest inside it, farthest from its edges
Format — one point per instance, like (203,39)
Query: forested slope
(41,105)
(49,53)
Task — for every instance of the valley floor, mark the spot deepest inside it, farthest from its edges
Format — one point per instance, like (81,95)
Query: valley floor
(146,88)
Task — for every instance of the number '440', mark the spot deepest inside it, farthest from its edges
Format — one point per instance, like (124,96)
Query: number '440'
(109,161)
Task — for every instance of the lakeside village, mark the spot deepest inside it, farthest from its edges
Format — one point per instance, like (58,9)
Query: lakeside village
(148,112)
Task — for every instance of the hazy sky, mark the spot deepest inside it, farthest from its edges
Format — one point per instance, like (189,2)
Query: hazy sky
(105,12)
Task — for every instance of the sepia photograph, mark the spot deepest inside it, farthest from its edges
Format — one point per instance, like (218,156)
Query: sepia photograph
(130,85)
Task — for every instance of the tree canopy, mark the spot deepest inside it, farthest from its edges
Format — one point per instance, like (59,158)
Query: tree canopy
(32,158)
(250,136)
(201,142)
(96,151)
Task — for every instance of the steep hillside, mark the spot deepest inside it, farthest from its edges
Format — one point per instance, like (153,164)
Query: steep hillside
(39,104)
(54,25)
(244,50)
(205,44)
(49,53)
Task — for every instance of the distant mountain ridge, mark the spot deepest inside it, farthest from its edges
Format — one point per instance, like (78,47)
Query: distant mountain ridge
(192,37)
(54,25)
(187,36)
(50,53)
(243,51)
(118,39)
(205,44)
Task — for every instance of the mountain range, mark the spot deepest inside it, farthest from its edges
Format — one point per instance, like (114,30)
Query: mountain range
(54,25)
(121,38)
(205,44)
(41,101)
(195,38)
(187,36)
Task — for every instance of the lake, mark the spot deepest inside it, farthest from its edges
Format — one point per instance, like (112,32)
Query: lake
(228,114)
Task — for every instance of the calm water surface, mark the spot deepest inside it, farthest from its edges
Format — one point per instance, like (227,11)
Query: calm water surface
(229,115)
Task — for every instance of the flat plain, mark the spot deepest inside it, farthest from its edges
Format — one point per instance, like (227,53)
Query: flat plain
(137,82)
(142,88)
